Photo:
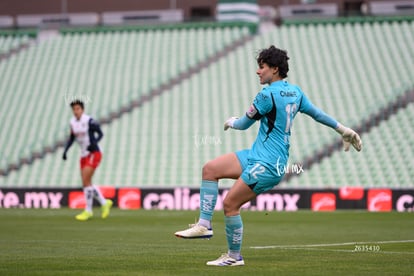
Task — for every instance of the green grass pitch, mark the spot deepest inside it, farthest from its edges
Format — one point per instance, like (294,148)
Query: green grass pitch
(52,242)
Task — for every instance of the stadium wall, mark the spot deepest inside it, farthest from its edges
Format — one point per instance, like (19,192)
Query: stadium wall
(16,7)
(345,198)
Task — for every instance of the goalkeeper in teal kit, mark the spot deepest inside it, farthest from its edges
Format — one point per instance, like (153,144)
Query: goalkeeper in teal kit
(260,168)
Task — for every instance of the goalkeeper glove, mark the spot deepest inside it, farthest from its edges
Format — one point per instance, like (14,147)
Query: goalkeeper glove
(230,123)
(349,137)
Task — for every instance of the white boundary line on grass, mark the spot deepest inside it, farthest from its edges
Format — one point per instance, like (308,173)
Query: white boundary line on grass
(317,247)
(301,246)
(345,250)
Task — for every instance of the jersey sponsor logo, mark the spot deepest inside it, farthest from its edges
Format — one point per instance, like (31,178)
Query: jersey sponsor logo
(260,98)
(129,198)
(263,96)
(323,202)
(287,93)
(379,200)
(351,193)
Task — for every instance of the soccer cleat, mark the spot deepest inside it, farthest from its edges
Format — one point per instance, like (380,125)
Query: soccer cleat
(106,209)
(196,231)
(85,215)
(226,260)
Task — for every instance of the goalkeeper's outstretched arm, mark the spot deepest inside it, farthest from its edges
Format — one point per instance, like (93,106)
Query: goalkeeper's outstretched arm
(349,136)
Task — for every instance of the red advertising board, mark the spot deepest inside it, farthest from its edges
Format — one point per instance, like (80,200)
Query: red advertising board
(379,200)
(401,200)
(77,199)
(323,202)
(351,193)
(129,198)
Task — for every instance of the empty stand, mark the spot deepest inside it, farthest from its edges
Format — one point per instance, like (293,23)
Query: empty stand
(105,69)
(350,70)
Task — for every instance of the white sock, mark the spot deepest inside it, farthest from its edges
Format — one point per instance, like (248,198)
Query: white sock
(205,223)
(98,195)
(234,254)
(88,192)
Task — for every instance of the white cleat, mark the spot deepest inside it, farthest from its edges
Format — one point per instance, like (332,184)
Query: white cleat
(226,260)
(196,231)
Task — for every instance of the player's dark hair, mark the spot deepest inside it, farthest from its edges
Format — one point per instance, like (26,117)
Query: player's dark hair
(77,102)
(275,57)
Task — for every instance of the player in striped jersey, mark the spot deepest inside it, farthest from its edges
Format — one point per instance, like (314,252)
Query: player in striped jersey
(87,132)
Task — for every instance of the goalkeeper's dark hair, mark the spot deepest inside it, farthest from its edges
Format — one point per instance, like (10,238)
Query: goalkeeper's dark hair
(275,57)
(77,102)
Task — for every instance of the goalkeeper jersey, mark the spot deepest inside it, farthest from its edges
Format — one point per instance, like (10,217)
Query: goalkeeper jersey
(276,107)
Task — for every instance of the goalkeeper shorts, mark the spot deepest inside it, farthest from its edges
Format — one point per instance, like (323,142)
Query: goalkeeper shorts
(259,176)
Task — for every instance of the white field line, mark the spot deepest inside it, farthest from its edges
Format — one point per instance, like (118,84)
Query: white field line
(302,246)
(344,250)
